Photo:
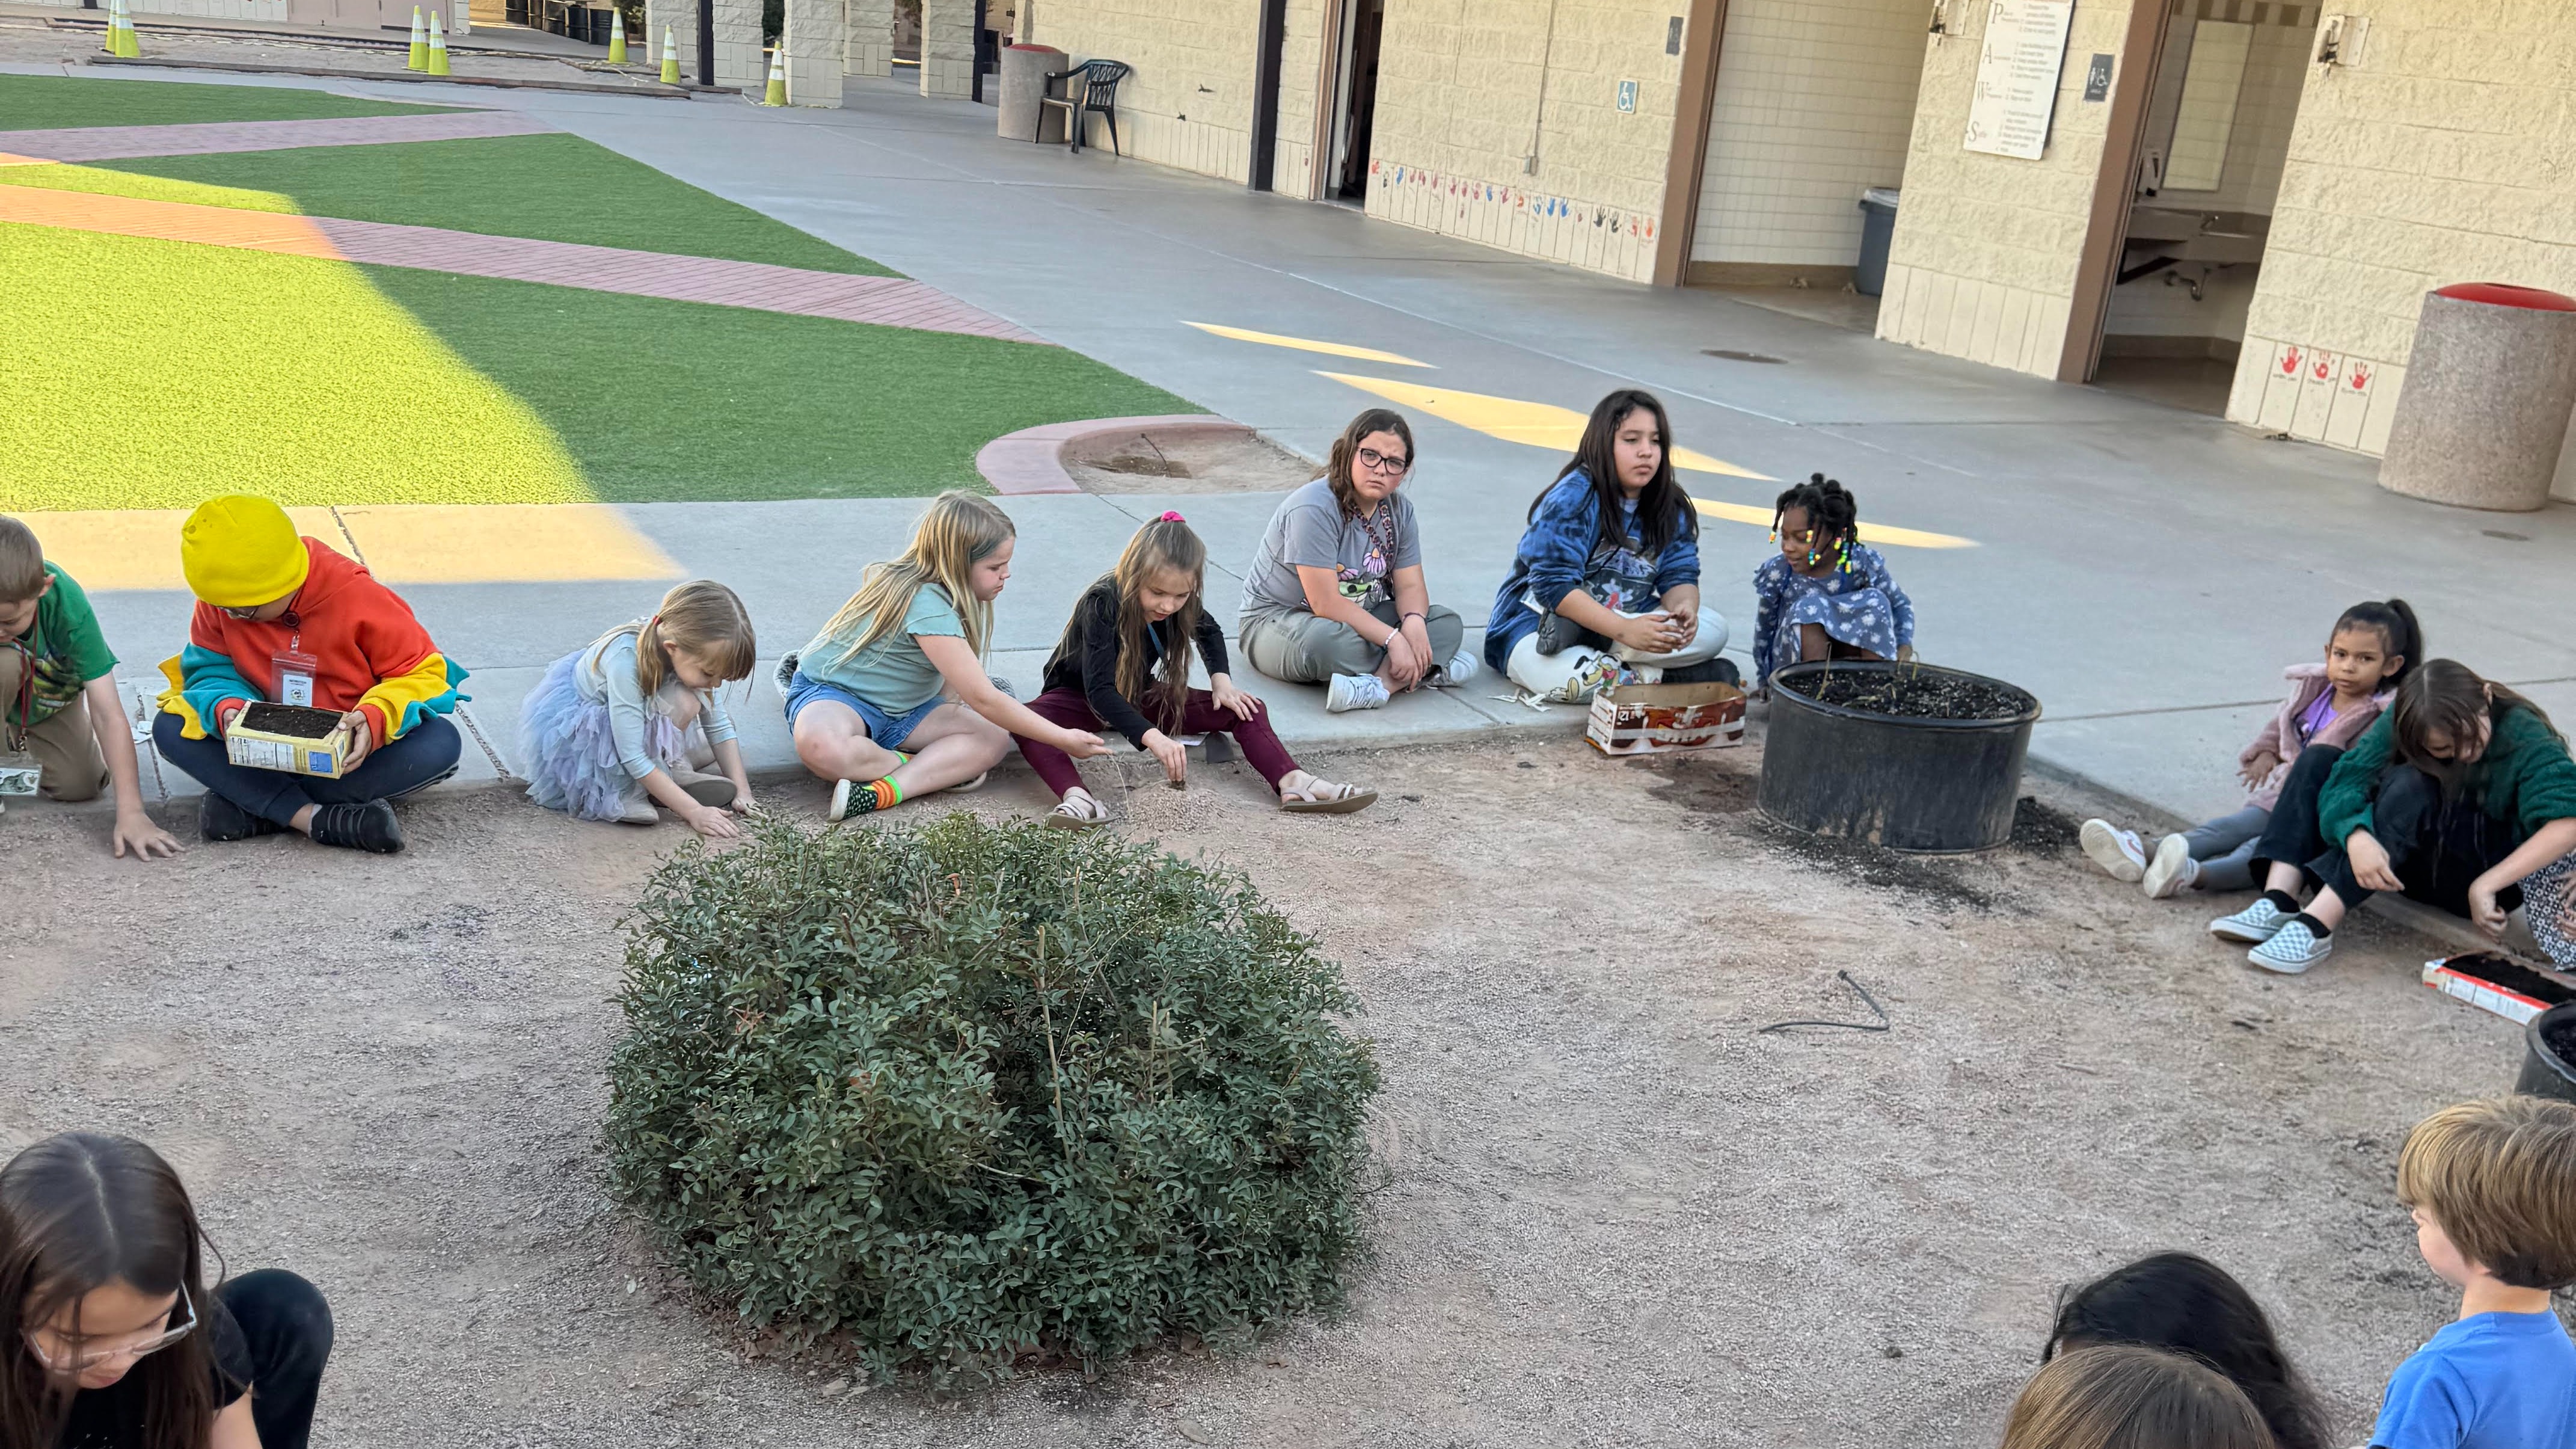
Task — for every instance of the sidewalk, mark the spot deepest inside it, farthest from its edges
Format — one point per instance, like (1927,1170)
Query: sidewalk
(2145,571)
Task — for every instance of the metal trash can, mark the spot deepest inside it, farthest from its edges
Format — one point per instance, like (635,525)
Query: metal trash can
(1024,72)
(1877,231)
(2489,389)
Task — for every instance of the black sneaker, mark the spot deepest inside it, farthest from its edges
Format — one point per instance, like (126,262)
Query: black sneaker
(220,820)
(369,827)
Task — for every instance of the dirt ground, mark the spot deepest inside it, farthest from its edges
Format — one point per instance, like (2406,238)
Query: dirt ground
(1612,1211)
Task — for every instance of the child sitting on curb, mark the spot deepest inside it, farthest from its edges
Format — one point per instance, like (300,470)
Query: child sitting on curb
(622,724)
(2367,654)
(1134,624)
(1825,594)
(58,693)
(2492,1185)
(865,698)
(2461,791)
(288,620)
(1605,583)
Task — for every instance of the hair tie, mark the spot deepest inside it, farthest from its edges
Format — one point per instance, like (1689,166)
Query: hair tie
(1170,517)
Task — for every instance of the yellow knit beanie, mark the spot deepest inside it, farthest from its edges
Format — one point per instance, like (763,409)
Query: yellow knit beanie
(240,552)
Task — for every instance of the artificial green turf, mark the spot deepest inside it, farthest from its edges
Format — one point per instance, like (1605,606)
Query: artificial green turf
(49,102)
(684,401)
(553,187)
(147,373)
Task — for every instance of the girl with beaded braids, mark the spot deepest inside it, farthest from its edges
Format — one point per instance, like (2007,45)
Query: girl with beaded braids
(1825,594)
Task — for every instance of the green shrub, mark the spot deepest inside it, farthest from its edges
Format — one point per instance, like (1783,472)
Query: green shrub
(941,1096)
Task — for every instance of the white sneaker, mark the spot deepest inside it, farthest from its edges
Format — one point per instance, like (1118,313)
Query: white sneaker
(1354,691)
(2293,949)
(2119,852)
(2172,871)
(2260,921)
(1460,668)
(840,806)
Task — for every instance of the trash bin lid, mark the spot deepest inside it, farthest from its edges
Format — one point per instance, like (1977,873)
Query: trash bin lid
(1880,196)
(2505,294)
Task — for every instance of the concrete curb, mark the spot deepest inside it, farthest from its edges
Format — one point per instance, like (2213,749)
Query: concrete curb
(660,92)
(1031,460)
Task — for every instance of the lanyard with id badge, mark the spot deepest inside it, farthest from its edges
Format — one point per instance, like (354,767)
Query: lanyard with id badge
(287,733)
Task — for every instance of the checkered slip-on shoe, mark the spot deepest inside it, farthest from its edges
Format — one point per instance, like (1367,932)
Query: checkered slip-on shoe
(2293,949)
(2257,922)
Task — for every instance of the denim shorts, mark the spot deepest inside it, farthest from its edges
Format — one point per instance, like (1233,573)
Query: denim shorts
(889,730)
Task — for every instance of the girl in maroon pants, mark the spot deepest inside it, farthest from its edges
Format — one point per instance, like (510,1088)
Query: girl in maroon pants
(1124,663)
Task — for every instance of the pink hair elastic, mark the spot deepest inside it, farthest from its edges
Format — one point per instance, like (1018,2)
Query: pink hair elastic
(1171,518)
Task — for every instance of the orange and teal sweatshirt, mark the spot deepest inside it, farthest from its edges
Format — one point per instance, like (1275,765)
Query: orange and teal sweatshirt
(370,655)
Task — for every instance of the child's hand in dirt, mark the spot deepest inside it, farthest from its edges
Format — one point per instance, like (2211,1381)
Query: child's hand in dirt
(712,823)
(1904,653)
(2370,864)
(1174,756)
(741,799)
(2259,769)
(1081,744)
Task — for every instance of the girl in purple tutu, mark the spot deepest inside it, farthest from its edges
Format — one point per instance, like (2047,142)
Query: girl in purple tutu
(633,720)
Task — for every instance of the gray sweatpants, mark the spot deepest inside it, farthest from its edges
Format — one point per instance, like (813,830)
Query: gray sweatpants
(1304,648)
(2225,848)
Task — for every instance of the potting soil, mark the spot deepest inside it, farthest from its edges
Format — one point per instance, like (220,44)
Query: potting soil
(2560,1038)
(294,721)
(1908,694)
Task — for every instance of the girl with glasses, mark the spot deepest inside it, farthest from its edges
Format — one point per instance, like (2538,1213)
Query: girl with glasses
(1336,595)
(114,1339)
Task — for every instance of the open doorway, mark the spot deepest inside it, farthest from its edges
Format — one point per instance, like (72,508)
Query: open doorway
(2216,137)
(1355,109)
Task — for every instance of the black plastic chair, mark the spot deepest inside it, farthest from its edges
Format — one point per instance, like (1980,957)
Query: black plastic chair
(1098,96)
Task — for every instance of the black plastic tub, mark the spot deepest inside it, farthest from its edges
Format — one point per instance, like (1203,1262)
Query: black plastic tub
(2544,1072)
(1929,786)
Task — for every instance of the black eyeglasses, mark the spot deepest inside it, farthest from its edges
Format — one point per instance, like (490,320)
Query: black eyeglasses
(1377,462)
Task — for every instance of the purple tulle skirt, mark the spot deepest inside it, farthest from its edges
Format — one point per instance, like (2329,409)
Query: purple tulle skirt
(572,759)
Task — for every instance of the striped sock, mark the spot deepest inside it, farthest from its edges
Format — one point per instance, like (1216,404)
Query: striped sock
(874,795)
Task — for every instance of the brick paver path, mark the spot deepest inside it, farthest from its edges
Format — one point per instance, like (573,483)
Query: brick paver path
(114,143)
(883,301)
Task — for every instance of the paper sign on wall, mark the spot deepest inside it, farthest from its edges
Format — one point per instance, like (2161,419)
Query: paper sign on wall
(2017,71)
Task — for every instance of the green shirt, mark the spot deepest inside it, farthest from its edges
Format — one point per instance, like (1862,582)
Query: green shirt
(892,674)
(66,649)
(2524,778)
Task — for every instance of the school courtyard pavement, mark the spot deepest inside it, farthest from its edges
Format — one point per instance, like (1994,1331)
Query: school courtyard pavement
(2145,571)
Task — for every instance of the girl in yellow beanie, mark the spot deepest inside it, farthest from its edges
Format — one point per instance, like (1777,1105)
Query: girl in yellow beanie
(286,619)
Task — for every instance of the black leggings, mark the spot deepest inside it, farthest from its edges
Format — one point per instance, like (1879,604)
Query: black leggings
(2437,847)
(288,1328)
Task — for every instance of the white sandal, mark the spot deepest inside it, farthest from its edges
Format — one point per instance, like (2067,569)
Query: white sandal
(1086,813)
(1323,797)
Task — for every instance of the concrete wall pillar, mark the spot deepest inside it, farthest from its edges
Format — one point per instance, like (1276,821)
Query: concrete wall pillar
(948,49)
(740,59)
(870,26)
(817,42)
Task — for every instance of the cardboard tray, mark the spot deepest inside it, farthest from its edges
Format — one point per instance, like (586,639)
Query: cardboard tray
(289,738)
(2492,983)
(1654,719)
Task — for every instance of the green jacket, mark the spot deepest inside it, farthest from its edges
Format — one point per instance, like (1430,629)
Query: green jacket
(2524,779)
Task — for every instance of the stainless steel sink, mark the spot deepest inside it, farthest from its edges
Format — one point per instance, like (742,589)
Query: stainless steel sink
(2218,237)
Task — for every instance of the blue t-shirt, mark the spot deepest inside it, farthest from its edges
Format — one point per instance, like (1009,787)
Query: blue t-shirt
(2489,1381)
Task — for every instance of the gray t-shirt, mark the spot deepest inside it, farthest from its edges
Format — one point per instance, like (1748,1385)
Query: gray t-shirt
(1310,529)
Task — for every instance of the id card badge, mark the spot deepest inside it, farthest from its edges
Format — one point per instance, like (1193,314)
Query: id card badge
(294,677)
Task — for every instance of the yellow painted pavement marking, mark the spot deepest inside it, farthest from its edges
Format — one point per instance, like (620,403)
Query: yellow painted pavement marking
(11,158)
(1540,425)
(1544,425)
(503,543)
(509,543)
(1302,344)
(1869,532)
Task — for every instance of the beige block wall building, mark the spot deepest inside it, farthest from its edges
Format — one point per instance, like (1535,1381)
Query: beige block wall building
(2445,153)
